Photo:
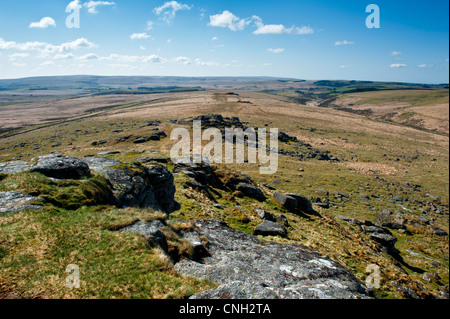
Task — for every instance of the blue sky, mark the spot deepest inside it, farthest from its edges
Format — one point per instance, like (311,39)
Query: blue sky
(320,39)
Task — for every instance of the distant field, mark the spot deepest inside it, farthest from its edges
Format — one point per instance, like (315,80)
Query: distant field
(426,109)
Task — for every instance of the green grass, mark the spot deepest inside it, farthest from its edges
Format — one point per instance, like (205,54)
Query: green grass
(36,248)
(67,194)
(414,98)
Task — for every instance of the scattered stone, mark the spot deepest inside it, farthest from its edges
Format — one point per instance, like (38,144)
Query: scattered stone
(434,278)
(11,202)
(386,241)
(439,231)
(282,220)
(288,202)
(303,203)
(251,191)
(62,167)
(264,215)
(350,220)
(268,228)
(150,230)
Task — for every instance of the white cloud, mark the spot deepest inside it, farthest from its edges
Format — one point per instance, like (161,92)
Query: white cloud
(74,5)
(45,47)
(395,53)
(344,66)
(142,47)
(397,65)
(345,42)
(199,62)
(214,39)
(44,23)
(269,28)
(279,50)
(304,30)
(279,28)
(139,36)
(226,19)
(72,45)
(149,25)
(134,58)
(6,45)
(89,56)
(63,56)
(169,9)
(426,66)
(154,58)
(92,5)
(184,60)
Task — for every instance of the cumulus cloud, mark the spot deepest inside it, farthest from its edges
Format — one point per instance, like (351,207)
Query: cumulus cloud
(200,62)
(397,65)
(74,5)
(134,58)
(184,60)
(46,48)
(139,36)
(92,5)
(169,9)
(345,42)
(89,56)
(226,19)
(279,28)
(279,50)
(43,23)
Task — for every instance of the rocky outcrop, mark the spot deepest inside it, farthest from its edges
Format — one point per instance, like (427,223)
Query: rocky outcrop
(247,267)
(136,185)
(11,202)
(62,167)
(14,167)
(132,185)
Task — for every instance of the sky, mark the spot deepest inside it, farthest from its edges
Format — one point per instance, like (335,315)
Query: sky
(402,41)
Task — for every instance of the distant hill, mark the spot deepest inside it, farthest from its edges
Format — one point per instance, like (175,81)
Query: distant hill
(76,84)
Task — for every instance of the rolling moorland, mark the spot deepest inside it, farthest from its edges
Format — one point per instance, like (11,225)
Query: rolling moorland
(362,181)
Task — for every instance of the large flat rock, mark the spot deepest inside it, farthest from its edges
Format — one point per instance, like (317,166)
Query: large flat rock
(247,267)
